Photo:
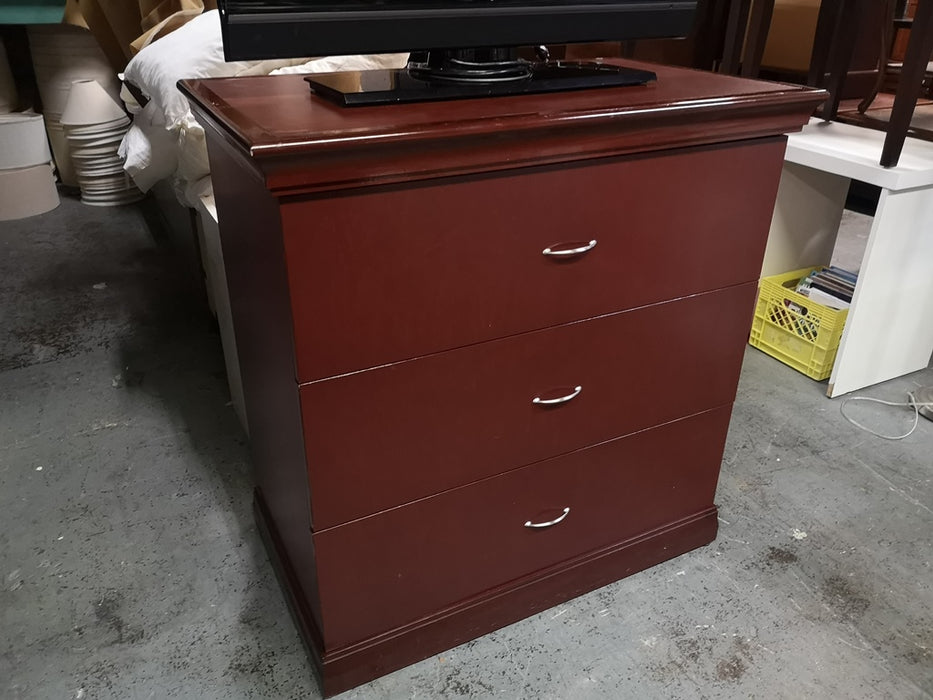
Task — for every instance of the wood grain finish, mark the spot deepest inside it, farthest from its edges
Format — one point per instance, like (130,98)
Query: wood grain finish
(395,317)
(379,573)
(255,267)
(365,146)
(432,265)
(417,428)
(341,669)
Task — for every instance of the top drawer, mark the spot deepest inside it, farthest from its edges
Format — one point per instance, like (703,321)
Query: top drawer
(387,274)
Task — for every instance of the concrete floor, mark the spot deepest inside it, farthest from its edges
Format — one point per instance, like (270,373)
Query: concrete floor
(130,566)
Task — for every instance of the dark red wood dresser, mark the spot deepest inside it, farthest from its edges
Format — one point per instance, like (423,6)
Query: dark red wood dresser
(489,347)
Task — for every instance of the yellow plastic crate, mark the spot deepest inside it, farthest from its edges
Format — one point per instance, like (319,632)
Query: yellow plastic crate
(798,332)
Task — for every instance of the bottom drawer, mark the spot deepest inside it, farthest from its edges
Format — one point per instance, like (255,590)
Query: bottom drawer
(378,573)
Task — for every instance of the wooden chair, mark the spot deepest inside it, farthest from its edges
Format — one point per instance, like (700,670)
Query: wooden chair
(833,46)
(910,84)
(724,27)
(897,11)
(832,52)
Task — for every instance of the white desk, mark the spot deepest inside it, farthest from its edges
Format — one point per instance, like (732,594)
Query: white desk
(889,330)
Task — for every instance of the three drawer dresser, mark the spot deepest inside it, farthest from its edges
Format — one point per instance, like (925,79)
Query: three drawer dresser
(489,347)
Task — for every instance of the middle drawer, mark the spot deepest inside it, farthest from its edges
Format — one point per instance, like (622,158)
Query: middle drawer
(388,436)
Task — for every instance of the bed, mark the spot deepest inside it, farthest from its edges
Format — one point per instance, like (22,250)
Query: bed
(164,141)
(165,153)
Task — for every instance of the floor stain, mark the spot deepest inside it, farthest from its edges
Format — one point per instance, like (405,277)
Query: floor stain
(689,649)
(730,669)
(844,599)
(919,656)
(455,685)
(779,555)
(250,662)
(108,612)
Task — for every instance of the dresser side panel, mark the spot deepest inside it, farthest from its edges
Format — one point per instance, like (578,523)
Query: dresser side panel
(254,259)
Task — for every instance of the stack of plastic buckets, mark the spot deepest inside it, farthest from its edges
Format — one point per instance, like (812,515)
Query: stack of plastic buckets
(94,126)
(61,55)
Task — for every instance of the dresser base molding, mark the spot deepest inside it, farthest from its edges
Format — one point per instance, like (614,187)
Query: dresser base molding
(348,667)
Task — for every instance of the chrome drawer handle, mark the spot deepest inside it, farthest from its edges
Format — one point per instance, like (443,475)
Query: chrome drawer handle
(550,522)
(560,399)
(570,251)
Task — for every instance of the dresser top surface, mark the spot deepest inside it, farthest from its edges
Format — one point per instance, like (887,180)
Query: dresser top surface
(272,115)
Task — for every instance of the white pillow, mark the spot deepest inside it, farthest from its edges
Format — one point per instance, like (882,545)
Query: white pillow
(194,50)
(336,64)
(149,152)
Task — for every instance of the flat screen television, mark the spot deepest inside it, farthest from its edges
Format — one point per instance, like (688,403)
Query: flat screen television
(459,48)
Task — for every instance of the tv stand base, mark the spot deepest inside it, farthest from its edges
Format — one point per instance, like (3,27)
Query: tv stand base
(362,88)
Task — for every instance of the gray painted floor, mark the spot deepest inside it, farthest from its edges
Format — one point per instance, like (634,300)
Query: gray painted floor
(130,566)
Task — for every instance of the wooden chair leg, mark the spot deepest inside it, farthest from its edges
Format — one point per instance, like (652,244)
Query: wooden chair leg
(735,36)
(758,27)
(841,55)
(708,33)
(826,24)
(887,42)
(919,51)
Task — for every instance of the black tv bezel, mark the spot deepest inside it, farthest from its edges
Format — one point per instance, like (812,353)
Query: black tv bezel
(296,32)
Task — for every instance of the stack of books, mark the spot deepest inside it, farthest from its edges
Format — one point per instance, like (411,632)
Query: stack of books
(831,286)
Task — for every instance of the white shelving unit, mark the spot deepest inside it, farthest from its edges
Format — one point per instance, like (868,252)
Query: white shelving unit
(889,330)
